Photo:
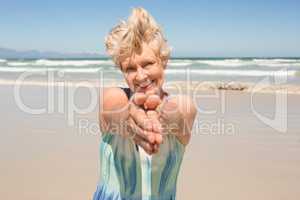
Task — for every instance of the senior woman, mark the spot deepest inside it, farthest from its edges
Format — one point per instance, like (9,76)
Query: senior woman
(144,129)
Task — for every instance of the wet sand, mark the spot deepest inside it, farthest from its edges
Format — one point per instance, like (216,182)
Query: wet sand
(233,154)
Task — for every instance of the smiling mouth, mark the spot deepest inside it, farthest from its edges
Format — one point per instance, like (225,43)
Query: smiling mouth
(145,87)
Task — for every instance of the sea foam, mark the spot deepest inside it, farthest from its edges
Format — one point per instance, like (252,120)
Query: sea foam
(225,72)
(47,63)
(44,62)
(251,62)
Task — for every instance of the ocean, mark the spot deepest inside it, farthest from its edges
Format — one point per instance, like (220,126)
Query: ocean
(224,70)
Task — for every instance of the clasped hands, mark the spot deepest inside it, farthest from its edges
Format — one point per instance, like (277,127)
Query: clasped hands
(148,119)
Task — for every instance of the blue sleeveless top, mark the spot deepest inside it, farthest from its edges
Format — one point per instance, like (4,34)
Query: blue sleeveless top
(127,172)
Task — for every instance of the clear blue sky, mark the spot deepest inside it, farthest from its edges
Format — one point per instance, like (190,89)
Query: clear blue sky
(193,28)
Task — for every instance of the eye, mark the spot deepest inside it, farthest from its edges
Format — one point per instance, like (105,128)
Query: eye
(149,64)
(130,69)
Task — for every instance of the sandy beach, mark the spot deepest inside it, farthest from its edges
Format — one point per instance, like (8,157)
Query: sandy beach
(233,153)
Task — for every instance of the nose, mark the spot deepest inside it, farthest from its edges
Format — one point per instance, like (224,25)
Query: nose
(141,75)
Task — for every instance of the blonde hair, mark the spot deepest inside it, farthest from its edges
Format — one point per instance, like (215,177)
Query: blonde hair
(128,36)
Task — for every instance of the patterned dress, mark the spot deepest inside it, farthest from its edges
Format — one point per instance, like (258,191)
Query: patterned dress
(127,172)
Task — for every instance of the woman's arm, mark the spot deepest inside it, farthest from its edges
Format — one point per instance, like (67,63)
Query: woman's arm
(177,117)
(113,110)
(118,115)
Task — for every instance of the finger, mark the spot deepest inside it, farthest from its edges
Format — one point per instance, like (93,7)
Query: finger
(153,115)
(152,102)
(140,117)
(144,144)
(157,127)
(158,138)
(136,130)
(155,148)
(139,98)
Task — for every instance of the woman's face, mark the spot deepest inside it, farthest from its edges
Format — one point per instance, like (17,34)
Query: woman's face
(144,72)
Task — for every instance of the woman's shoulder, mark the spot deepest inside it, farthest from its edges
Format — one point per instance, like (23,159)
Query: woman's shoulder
(113,98)
(113,95)
(113,106)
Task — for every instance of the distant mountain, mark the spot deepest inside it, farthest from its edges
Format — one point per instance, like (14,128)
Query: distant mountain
(11,53)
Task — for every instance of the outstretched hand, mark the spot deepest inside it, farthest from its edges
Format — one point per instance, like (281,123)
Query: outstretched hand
(144,121)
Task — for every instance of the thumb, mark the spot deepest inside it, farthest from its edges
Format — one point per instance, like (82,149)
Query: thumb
(139,98)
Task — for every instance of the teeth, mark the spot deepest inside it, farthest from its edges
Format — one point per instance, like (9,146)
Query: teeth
(145,84)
